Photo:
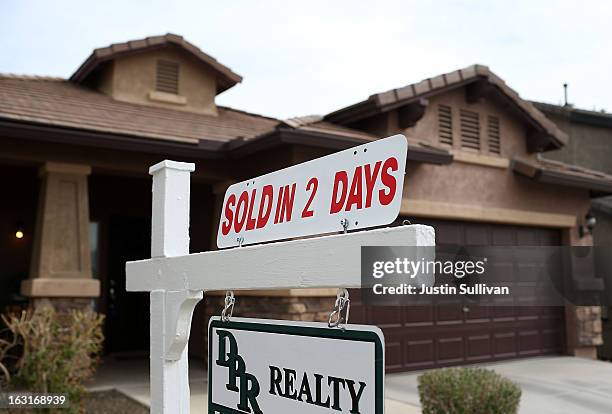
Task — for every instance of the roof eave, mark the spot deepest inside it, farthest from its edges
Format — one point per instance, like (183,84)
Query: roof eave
(596,186)
(288,136)
(205,149)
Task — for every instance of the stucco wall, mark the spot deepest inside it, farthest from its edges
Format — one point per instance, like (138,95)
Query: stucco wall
(482,186)
(589,146)
(132,78)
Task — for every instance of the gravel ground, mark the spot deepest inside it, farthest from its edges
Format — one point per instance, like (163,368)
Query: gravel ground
(113,402)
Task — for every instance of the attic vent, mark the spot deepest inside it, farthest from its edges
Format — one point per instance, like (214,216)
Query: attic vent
(470,130)
(167,77)
(493,134)
(445,125)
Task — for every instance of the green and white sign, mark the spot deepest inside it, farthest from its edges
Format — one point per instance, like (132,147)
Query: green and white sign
(262,366)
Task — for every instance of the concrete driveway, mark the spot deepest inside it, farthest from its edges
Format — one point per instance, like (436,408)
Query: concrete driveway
(557,385)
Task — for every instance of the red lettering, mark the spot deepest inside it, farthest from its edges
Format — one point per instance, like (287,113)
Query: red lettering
(287,204)
(336,204)
(355,196)
(266,197)
(250,220)
(314,183)
(370,181)
(242,202)
(226,226)
(279,202)
(389,181)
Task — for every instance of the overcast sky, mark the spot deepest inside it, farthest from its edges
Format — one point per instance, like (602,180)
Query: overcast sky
(312,57)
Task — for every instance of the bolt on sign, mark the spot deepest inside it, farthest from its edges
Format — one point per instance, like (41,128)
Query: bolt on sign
(361,187)
(262,366)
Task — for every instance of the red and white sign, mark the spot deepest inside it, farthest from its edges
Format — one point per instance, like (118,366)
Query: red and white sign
(362,184)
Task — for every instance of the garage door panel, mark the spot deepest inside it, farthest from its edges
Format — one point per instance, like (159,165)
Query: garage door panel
(420,353)
(386,316)
(505,345)
(450,349)
(478,347)
(529,342)
(393,353)
(448,314)
(504,313)
(418,316)
(475,313)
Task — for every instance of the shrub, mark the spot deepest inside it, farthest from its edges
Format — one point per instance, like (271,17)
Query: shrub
(467,391)
(57,351)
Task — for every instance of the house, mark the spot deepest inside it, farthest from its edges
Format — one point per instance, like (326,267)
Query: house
(75,154)
(591,147)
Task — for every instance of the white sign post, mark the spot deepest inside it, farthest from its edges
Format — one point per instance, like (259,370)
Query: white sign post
(177,280)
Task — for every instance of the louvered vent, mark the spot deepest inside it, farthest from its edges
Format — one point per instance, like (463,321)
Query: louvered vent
(493,135)
(167,76)
(470,130)
(445,125)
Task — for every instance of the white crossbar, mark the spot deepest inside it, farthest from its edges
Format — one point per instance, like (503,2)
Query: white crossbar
(321,262)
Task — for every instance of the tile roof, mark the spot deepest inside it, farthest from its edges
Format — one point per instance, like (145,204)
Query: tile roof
(315,123)
(598,118)
(441,83)
(54,101)
(556,172)
(227,78)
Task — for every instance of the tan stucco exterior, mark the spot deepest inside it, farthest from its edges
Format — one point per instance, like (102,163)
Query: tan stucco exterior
(132,79)
(61,265)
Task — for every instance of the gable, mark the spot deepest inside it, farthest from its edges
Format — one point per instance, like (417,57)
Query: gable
(479,82)
(144,78)
(483,127)
(164,71)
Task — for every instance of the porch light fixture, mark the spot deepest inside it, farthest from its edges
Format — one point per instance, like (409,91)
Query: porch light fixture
(589,224)
(19,232)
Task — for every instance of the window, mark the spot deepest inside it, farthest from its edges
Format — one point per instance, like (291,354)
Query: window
(167,77)
(445,125)
(493,134)
(470,130)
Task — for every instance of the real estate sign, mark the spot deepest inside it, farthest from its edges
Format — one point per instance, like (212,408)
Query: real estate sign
(263,366)
(361,187)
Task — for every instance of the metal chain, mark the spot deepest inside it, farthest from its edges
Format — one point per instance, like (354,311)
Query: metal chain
(228,309)
(336,320)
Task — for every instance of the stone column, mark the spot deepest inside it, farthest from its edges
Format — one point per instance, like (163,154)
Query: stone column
(583,323)
(60,269)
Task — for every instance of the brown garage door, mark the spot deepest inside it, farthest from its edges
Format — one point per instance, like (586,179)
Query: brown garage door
(434,336)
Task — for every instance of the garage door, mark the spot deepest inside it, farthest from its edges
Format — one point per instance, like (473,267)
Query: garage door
(435,336)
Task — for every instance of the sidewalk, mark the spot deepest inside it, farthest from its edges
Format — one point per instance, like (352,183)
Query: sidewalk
(131,377)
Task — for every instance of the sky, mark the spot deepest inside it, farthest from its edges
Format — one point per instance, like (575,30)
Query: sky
(313,57)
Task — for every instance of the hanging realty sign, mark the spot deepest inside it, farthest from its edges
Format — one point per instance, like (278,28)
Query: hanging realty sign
(263,366)
(359,187)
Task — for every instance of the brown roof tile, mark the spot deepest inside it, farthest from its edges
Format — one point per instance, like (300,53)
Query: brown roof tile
(54,101)
(316,123)
(440,83)
(556,172)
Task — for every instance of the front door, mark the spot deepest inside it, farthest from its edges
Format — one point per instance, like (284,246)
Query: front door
(127,319)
